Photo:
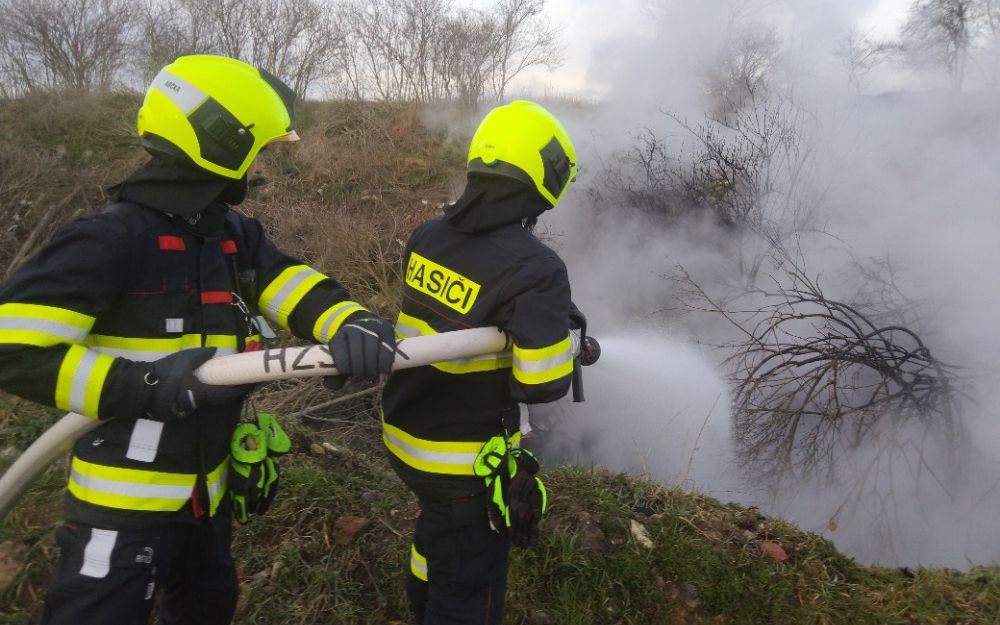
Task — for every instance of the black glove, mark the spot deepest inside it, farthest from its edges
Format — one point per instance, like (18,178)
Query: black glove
(173,390)
(525,502)
(363,348)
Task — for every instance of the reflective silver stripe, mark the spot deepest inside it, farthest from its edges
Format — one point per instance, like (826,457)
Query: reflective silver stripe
(81,378)
(145,440)
(406,331)
(278,301)
(541,366)
(418,564)
(65,331)
(174,326)
(186,96)
(218,485)
(131,489)
(97,553)
(440,457)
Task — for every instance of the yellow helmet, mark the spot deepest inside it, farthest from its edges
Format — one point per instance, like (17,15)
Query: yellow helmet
(216,111)
(524,141)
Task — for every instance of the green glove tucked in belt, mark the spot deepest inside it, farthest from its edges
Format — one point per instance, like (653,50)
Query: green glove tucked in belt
(253,475)
(518,498)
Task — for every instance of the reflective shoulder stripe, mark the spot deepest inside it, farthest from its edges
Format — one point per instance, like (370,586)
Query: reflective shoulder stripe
(408,326)
(80,381)
(42,326)
(283,294)
(444,457)
(332,318)
(129,489)
(97,553)
(418,564)
(217,480)
(544,364)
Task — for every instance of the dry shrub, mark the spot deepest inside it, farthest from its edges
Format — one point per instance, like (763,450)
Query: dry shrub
(60,152)
(346,197)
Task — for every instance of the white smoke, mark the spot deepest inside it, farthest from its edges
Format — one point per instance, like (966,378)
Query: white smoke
(910,175)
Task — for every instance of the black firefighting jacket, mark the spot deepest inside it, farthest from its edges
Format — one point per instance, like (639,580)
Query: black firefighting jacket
(476,266)
(115,290)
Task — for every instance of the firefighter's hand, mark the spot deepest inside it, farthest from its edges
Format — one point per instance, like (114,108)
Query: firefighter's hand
(173,391)
(364,348)
(526,501)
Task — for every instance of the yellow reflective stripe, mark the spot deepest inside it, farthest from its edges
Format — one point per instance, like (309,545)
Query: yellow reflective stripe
(544,364)
(418,564)
(81,380)
(450,458)
(446,457)
(133,476)
(147,349)
(216,481)
(332,318)
(285,292)
(129,489)
(42,326)
(48,313)
(408,326)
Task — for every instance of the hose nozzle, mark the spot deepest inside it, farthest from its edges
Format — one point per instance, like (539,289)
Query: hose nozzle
(590,351)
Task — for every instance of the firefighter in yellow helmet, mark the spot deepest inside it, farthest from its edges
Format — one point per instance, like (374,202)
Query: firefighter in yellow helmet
(113,316)
(453,429)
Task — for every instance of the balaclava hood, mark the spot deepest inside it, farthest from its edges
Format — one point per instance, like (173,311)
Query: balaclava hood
(196,197)
(491,201)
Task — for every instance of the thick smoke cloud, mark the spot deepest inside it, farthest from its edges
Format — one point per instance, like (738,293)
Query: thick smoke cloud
(903,171)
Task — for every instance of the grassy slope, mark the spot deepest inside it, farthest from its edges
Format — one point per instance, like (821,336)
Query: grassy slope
(361,177)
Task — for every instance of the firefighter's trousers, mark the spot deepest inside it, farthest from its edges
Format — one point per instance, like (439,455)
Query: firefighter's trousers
(107,577)
(458,566)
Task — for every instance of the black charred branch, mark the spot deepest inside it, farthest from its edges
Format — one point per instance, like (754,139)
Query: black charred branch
(814,376)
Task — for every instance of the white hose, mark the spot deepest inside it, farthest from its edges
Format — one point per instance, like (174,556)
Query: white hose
(250,367)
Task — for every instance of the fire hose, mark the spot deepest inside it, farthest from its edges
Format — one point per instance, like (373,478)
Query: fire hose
(476,344)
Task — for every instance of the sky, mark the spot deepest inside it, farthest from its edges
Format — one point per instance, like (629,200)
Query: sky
(594,28)
(903,171)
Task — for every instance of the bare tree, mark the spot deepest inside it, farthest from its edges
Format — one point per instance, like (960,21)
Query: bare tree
(169,29)
(465,61)
(814,376)
(742,71)
(991,23)
(76,44)
(755,174)
(942,32)
(524,38)
(296,40)
(860,54)
(426,50)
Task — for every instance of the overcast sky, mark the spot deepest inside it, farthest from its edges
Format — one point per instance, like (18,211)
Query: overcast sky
(595,28)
